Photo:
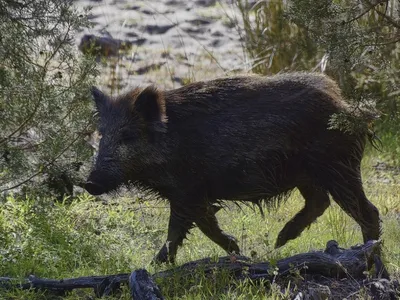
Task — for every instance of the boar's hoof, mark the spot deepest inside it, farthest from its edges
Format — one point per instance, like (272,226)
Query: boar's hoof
(281,240)
(163,257)
(232,247)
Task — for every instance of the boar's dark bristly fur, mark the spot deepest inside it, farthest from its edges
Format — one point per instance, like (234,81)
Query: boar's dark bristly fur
(244,138)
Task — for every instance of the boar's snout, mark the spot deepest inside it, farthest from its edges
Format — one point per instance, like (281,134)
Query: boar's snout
(99,183)
(94,188)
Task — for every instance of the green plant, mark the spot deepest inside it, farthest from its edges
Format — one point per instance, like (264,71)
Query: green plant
(45,109)
(355,42)
(273,43)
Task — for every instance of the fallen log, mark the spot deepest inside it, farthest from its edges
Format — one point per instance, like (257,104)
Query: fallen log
(333,262)
(143,287)
(100,284)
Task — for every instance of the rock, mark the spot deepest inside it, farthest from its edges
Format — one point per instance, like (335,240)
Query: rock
(105,46)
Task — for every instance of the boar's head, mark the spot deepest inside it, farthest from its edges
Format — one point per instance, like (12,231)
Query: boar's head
(130,126)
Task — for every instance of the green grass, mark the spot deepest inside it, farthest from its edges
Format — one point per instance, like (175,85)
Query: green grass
(82,237)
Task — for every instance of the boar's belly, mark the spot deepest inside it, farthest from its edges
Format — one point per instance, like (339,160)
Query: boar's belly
(255,181)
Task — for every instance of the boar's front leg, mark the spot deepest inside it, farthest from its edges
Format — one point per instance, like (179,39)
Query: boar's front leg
(208,224)
(178,228)
(316,202)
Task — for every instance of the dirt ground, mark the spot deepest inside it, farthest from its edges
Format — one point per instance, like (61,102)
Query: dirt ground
(172,41)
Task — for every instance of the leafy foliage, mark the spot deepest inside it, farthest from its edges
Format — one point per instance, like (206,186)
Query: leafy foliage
(355,42)
(273,42)
(45,109)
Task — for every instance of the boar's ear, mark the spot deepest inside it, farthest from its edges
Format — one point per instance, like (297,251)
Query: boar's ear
(150,105)
(99,98)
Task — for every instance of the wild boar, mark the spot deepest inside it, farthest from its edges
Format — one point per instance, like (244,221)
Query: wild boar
(245,138)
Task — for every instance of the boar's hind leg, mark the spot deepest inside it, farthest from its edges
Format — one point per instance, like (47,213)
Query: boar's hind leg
(350,196)
(316,202)
(208,224)
(178,228)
